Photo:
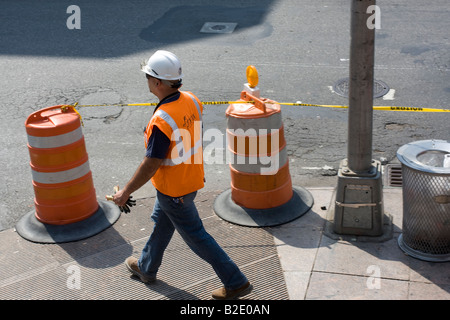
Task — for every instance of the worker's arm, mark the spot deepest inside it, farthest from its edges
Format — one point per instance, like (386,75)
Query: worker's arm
(143,174)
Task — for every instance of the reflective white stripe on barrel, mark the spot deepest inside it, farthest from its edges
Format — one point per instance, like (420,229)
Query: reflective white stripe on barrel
(61,176)
(264,164)
(55,141)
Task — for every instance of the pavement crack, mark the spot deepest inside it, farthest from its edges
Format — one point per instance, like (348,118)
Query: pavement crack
(107,118)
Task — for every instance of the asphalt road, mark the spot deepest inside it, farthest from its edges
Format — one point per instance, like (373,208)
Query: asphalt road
(300,48)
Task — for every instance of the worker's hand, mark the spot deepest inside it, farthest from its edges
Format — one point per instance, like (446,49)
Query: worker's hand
(120,198)
(123,200)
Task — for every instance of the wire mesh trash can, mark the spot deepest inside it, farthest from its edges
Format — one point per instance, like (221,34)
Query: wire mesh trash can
(426,200)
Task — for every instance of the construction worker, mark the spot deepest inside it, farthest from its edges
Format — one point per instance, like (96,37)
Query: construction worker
(174,163)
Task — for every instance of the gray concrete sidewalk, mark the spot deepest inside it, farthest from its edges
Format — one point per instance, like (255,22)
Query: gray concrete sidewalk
(316,266)
(294,261)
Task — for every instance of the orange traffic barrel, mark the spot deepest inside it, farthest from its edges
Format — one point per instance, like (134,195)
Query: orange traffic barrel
(259,165)
(62,180)
(61,177)
(261,192)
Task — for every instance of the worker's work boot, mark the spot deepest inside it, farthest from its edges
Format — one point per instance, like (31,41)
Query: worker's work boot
(132,265)
(226,294)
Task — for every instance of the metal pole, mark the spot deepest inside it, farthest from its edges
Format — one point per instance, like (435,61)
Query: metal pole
(360,88)
(359,196)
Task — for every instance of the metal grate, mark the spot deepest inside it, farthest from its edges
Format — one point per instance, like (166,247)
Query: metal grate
(36,271)
(393,175)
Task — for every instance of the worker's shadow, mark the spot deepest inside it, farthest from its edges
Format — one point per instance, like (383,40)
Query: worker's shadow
(162,288)
(104,250)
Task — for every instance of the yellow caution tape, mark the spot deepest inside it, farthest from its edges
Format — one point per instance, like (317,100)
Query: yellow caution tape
(311,105)
(411,109)
(384,108)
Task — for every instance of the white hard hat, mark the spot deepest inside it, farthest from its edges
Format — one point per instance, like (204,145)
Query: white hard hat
(163,65)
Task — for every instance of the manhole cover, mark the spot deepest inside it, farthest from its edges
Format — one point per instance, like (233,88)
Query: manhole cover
(218,27)
(341,87)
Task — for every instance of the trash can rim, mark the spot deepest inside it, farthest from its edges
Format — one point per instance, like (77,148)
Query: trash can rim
(408,153)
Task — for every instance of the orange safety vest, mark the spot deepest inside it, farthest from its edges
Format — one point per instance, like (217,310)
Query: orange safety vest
(182,171)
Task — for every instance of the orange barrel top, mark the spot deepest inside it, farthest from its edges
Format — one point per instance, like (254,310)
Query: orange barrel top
(52,121)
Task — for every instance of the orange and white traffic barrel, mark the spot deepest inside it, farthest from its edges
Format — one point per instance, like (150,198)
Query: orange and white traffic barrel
(61,177)
(261,192)
(259,165)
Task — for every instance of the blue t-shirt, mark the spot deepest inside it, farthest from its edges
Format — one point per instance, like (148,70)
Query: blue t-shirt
(158,144)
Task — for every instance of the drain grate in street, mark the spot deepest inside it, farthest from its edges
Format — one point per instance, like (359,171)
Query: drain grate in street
(341,87)
(218,27)
(394,175)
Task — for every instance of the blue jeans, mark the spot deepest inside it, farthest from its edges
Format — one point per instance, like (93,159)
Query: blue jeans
(170,214)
